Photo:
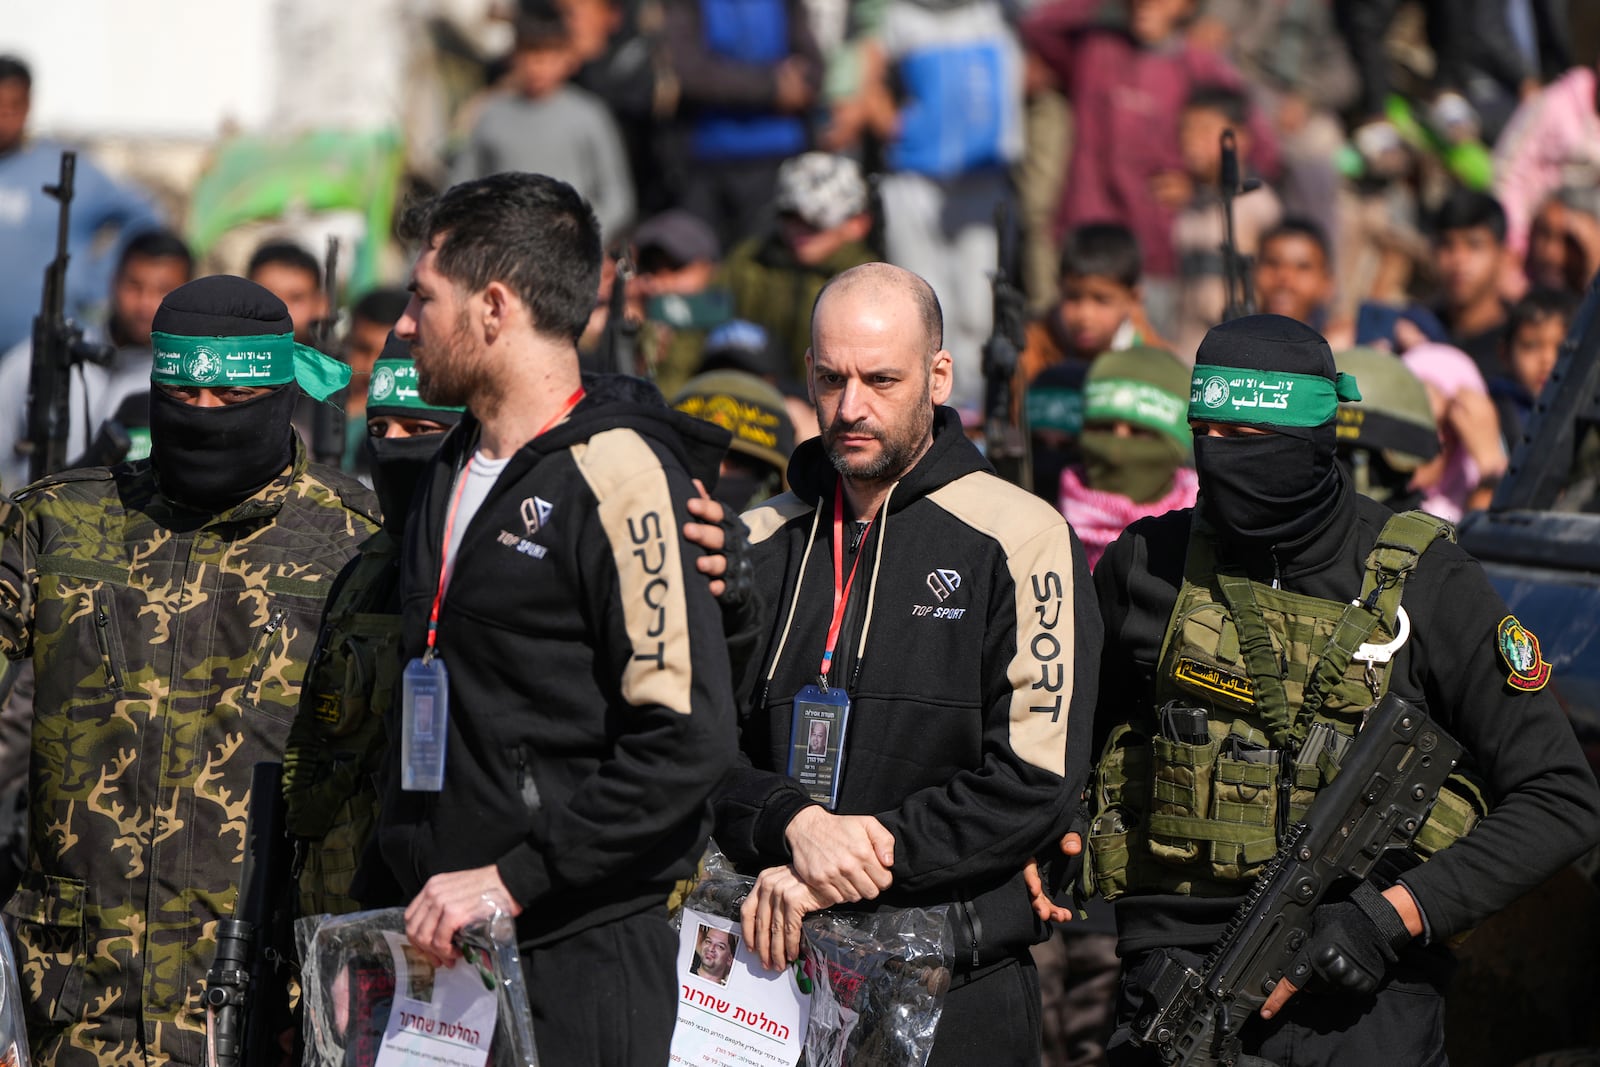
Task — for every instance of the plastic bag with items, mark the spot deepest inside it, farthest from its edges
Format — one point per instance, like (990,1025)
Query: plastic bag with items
(878,979)
(13,1032)
(366,987)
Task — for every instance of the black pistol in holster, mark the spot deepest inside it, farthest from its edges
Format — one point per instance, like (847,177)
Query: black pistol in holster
(1385,786)
(247,988)
(58,346)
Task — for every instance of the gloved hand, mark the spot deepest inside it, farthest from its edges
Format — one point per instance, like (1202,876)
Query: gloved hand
(1353,943)
(739,594)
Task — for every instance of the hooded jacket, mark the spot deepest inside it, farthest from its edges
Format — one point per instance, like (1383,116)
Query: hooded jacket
(1544,805)
(590,711)
(971,694)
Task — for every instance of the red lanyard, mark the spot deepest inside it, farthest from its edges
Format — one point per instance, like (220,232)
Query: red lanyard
(841,586)
(450,519)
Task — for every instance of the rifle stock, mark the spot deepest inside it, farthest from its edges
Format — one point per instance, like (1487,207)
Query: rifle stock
(1385,787)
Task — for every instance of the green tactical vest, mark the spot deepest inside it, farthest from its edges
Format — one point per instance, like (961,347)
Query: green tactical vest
(336,741)
(1266,666)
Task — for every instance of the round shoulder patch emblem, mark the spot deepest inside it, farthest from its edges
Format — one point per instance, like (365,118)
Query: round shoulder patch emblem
(1520,650)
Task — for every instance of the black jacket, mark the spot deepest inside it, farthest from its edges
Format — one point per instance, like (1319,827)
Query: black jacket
(968,731)
(1546,808)
(590,706)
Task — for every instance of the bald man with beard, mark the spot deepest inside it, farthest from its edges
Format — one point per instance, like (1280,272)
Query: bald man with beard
(959,645)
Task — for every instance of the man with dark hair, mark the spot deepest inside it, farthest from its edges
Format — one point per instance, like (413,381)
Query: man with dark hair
(151,265)
(957,675)
(28,216)
(1294,271)
(715,955)
(1469,252)
(293,275)
(1294,277)
(168,607)
(548,591)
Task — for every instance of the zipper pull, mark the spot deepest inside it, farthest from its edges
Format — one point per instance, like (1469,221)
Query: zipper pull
(273,623)
(858,533)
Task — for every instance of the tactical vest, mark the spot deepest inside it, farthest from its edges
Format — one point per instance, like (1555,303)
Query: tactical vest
(336,742)
(1282,680)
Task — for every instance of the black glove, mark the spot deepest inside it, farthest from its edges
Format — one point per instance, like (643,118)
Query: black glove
(1353,943)
(739,580)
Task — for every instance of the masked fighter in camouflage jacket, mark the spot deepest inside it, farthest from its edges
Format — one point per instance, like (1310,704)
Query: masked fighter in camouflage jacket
(336,743)
(169,607)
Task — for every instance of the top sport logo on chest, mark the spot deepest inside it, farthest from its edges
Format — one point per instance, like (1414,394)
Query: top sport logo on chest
(943,582)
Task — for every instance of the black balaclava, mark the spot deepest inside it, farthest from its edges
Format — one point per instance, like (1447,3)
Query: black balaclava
(214,458)
(1277,488)
(398,463)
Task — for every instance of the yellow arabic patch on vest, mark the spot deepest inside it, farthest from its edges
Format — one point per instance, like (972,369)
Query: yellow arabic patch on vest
(1214,679)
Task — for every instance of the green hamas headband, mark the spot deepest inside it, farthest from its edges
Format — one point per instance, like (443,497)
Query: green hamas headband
(1267,398)
(1143,404)
(258,359)
(394,385)
(1055,409)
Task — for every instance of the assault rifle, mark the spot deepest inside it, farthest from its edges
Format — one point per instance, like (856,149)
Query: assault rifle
(1385,787)
(247,988)
(327,423)
(619,345)
(1005,423)
(1235,267)
(58,346)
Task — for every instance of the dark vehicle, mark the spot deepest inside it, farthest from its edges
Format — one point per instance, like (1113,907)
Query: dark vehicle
(1540,538)
(1527,982)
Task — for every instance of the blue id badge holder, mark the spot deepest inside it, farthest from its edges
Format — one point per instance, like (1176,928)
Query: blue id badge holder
(816,741)
(424,723)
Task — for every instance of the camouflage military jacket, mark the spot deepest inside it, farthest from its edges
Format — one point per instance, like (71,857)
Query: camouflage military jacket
(336,743)
(169,648)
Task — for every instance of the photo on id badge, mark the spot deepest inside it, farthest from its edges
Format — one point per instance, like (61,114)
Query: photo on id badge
(816,741)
